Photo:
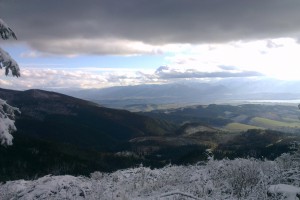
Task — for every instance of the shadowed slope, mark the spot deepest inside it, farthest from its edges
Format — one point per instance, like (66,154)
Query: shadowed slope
(66,119)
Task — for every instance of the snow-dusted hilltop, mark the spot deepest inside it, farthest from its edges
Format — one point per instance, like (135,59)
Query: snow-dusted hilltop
(226,179)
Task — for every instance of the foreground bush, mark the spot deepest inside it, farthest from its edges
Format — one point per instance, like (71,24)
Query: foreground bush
(223,179)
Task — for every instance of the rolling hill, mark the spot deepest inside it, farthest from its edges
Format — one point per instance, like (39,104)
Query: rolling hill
(235,118)
(61,118)
(59,134)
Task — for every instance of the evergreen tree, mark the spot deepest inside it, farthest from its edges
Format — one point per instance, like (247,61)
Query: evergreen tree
(7,112)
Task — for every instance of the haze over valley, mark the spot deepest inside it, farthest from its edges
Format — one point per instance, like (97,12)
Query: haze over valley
(183,93)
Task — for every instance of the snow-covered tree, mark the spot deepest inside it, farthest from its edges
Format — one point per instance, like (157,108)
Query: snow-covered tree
(7,112)
(7,123)
(237,179)
(6,60)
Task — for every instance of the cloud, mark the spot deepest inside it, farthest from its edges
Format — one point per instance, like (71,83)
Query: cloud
(169,73)
(47,78)
(205,62)
(229,68)
(94,47)
(277,58)
(31,54)
(50,26)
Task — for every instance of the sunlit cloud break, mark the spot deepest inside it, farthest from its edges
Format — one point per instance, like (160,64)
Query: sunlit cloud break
(277,58)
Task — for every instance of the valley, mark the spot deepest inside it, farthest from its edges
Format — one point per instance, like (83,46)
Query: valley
(58,134)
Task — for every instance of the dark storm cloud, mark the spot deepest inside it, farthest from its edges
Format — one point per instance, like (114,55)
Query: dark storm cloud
(150,21)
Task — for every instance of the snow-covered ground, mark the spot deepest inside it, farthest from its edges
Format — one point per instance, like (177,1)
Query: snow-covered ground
(224,179)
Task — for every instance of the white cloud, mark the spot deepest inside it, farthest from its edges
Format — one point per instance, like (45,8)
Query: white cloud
(272,57)
(47,78)
(277,58)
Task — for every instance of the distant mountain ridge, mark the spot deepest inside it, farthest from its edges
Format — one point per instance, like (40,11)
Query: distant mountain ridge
(191,92)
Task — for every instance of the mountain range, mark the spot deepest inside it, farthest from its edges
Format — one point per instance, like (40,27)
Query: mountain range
(149,97)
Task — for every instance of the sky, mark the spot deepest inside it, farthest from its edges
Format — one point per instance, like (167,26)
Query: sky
(104,43)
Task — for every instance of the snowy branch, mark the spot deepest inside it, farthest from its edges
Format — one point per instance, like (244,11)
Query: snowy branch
(7,112)
(9,64)
(7,126)
(6,60)
(5,31)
